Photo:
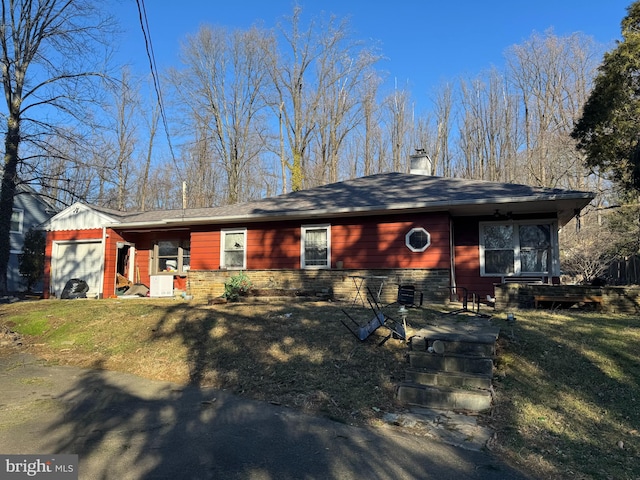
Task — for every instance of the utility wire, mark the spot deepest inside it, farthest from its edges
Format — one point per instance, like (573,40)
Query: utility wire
(144,25)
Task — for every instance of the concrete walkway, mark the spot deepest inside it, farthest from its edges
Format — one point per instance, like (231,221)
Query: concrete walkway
(126,427)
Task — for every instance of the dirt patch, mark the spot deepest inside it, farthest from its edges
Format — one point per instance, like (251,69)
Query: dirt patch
(10,341)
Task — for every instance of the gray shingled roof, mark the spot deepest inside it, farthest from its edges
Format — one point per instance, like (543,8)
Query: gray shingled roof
(382,193)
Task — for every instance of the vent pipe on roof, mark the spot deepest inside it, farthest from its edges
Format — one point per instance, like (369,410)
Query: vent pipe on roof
(420,162)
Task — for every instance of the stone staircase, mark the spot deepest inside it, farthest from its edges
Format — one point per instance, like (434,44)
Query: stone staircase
(450,366)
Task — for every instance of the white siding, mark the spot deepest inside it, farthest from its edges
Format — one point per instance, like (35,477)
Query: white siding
(78,217)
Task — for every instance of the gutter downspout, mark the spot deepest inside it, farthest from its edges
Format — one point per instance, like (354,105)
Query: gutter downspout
(452,254)
(104,257)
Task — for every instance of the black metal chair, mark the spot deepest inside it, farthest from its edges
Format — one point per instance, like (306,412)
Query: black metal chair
(362,332)
(380,319)
(462,295)
(407,296)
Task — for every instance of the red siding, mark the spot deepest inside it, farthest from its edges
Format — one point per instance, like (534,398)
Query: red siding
(467,258)
(273,246)
(359,242)
(269,246)
(110,259)
(378,242)
(205,250)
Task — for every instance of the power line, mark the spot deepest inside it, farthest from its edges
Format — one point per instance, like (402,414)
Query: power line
(144,25)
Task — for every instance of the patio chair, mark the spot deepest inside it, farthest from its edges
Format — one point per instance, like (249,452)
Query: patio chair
(462,295)
(407,296)
(362,332)
(397,329)
(380,319)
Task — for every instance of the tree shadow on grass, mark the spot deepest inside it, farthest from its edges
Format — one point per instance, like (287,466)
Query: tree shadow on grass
(125,427)
(577,380)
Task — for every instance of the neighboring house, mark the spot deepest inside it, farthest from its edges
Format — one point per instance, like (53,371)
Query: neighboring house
(29,211)
(431,232)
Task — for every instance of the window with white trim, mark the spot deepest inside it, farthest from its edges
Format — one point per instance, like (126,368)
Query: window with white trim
(171,256)
(315,246)
(233,249)
(417,240)
(17,217)
(518,248)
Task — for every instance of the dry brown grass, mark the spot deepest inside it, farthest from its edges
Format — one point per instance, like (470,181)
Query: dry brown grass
(568,382)
(295,354)
(568,385)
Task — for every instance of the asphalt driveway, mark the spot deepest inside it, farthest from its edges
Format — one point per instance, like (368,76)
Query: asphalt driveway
(127,427)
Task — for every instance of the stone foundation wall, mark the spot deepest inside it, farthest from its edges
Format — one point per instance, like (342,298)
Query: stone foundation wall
(614,299)
(337,284)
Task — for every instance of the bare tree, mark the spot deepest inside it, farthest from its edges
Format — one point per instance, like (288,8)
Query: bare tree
(142,196)
(340,109)
(164,192)
(316,79)
(371,123)
(489,128)
(46,48)
(222,87)
(296,99)
(551,75)
(399,124)
(441,157)
(117,140)
(588,252)
(205,181)
(67,172)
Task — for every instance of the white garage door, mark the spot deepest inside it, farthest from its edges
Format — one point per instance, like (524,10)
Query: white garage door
(81,260)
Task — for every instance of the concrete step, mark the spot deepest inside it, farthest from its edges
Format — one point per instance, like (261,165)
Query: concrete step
(450,379)
(444,398)
(457,363)
(472,332)
(467,346)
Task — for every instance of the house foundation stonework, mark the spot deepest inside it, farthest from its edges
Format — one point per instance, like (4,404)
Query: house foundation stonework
(625,300)
(335,284)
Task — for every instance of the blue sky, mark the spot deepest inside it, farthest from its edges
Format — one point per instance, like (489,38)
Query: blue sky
(426,42)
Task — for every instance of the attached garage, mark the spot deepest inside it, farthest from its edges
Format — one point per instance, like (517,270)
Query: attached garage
(78,259)
(78,246)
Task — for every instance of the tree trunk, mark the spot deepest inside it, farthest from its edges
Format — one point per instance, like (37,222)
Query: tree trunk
(7,193)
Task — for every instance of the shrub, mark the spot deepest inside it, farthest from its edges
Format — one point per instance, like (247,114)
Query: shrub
(236,286)
(31,261)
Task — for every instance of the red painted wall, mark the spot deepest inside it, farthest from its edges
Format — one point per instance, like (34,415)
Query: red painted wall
(360,243)
(467,258)
(375,242)
(205,250)
(379,242)
(110,259)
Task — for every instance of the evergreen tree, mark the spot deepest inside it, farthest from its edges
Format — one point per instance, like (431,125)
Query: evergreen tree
(608,132)
(32,259)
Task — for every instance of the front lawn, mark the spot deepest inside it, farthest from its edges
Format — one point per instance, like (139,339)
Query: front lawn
(567,383)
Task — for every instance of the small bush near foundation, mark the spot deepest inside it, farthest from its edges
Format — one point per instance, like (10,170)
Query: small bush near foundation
(236,286)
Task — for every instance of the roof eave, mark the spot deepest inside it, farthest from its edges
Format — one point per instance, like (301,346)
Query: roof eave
(581,199)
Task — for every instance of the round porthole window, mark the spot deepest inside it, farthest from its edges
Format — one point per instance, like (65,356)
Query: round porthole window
(418,240)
